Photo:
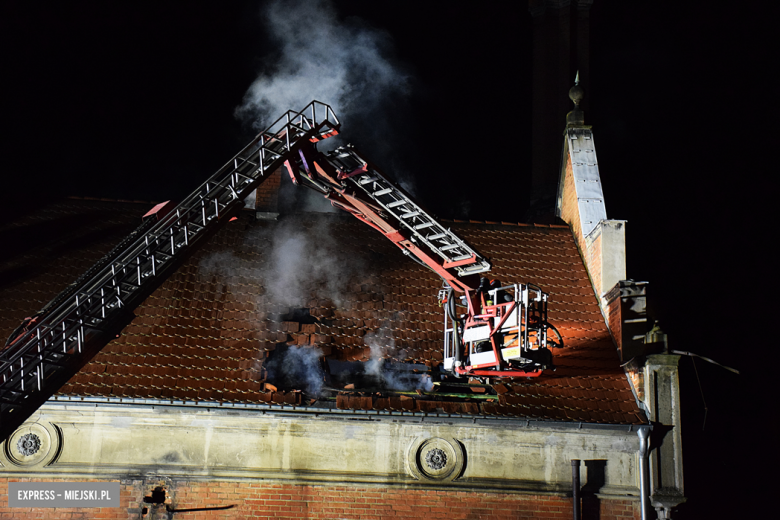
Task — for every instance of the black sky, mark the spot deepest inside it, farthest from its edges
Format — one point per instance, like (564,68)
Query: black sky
(135,101)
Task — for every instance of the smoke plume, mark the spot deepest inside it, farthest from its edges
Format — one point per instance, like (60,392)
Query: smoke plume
(222,266)
(345,63)
(297,367)
(305,263)
(382,347)
(293,261)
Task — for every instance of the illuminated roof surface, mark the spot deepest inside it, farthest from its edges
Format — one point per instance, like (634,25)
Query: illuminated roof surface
(206,333)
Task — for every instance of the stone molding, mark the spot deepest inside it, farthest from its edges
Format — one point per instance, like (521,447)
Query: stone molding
(139,441)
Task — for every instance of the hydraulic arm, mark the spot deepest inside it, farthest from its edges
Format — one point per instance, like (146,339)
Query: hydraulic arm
(490,329)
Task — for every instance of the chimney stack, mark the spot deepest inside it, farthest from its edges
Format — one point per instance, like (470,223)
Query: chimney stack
(267,197)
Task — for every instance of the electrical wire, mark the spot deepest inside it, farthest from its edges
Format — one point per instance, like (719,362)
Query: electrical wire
(684,353)
(701,390)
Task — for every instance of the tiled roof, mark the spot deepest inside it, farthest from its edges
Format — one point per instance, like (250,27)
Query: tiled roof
(49,247)
(207,333)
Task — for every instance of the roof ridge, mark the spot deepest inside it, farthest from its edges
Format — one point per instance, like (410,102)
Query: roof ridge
(504,223)
(105,199)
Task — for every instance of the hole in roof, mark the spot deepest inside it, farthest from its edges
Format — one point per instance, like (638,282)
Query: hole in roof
(292,367)
(301,315)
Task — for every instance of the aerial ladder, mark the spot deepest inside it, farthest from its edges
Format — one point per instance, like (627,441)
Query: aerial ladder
(491,330)
(53,345)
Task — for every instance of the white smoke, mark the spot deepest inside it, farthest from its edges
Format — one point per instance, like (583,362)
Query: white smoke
(250,200)
(301,365)
(349,65)
(297,261)
(382,345)
(345,63)
(221,267)
(305,263)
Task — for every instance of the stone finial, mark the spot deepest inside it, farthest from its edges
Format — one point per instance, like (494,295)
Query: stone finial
(576,93)
(576,117)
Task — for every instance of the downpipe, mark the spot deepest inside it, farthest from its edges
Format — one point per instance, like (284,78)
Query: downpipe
(575,488)
(644,474)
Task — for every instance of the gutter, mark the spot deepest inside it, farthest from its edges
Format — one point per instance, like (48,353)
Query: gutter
(365,415)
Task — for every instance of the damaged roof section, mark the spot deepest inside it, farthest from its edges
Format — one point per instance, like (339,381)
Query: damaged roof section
(299,310)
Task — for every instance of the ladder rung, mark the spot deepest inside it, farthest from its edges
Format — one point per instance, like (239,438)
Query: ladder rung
(8,401)
(478,267)
(243,160)
(410,215)
(382,192)
(423,226)
(462,257)
(436,237)
(448,247)
(366,180)
(49,363)
(397,203)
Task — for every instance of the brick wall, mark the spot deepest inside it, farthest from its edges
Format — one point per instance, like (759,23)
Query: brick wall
(259,500)
(570,211)
(267,195)
(593,263)
(614,320)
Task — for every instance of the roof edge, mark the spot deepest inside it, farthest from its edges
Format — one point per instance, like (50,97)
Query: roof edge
(104,199)
(504,223)
(292,410)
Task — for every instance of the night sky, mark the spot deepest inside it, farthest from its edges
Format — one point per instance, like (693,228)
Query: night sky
(136,100)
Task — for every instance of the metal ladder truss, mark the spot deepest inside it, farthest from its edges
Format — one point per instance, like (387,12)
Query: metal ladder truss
(423,227)
(63,339)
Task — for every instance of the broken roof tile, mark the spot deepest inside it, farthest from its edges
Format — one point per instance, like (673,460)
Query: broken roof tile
(205,332)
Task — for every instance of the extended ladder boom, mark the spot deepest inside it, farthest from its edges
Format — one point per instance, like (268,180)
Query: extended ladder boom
(502,332)
(51,347)
(353,184)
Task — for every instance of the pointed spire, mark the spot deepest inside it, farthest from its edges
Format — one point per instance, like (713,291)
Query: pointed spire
(576,117)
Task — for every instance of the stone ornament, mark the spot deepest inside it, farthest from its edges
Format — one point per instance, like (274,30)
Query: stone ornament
(436,459)
(28,444)
(33,444)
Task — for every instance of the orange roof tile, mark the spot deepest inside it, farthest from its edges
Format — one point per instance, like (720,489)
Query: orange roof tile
(207,332)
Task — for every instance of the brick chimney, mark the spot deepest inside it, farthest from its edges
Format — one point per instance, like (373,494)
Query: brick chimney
(267,197)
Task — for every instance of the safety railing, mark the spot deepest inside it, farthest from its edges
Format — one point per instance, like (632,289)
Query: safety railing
(517,312)
(57,339)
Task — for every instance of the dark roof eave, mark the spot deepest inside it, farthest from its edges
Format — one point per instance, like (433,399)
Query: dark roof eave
(309,411)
